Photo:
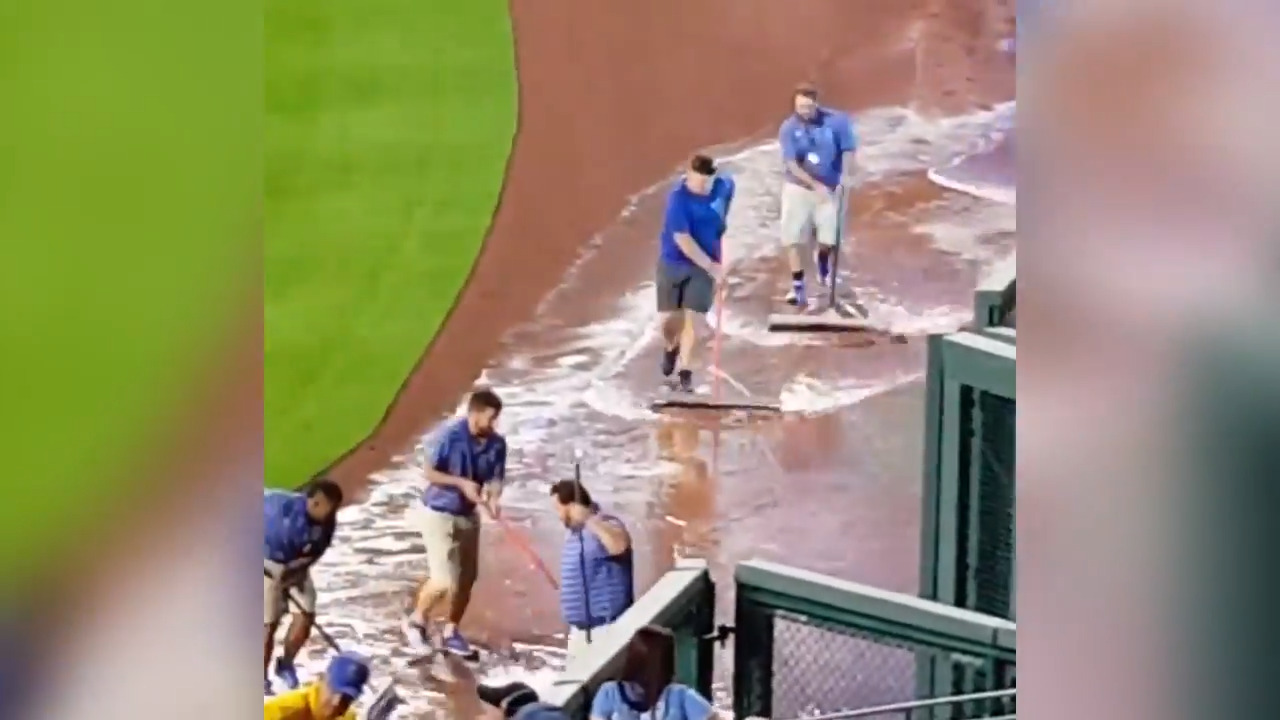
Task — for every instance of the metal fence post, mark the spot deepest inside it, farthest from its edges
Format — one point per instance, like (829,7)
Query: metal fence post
(752,658)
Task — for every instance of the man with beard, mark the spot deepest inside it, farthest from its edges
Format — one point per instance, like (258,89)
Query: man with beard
(467,469)
(597,578)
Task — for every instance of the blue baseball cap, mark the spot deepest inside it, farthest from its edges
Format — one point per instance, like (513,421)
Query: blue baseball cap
(347,675)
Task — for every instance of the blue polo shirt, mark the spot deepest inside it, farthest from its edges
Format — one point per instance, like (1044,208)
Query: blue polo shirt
(459,453)
(818,145)
(289,532)
(702,217)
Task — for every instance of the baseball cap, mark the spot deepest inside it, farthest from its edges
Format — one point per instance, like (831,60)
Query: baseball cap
(508,698)
(347,674)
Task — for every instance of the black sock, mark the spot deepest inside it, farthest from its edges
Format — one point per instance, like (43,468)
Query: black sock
(797,276)
(685,374)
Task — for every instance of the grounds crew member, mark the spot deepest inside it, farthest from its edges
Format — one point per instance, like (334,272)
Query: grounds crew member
(818,146)
(330,696)
(689,261)
(597,582)
(467,469)
(298,528)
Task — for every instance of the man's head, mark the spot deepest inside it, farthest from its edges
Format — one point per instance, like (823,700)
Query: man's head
(805,101)
(570,499)
(700,175)
(324,497)
(344,681)
(483,409)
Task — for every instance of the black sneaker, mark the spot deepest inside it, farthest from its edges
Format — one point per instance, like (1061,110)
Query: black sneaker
(686,381)
(669,358)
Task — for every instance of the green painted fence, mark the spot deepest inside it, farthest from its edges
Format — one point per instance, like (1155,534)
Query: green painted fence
(805,643)
(967,548)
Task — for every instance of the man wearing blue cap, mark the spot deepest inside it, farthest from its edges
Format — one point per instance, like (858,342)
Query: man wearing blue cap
(330,697)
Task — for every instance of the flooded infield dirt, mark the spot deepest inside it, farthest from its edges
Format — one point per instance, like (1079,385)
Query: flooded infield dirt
(831,484)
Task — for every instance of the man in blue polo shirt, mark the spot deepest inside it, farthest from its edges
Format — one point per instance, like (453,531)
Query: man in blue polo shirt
(297,528)
(689,260)
(818,145)
(467,470)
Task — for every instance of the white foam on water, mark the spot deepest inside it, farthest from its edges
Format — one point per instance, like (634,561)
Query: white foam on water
(810,396)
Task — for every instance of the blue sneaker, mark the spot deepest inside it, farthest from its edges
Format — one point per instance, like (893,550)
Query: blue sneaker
(266,688)
(669,358)
(287,674)
(458,645)
(797,295)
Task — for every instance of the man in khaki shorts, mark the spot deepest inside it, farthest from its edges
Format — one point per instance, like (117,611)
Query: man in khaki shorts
(818,146)
(298,528)
(467,469)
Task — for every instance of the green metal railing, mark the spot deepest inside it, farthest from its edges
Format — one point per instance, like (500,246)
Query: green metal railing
(967,549)
(807,644)
(995,300)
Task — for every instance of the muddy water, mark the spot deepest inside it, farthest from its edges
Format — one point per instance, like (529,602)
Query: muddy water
(832,484)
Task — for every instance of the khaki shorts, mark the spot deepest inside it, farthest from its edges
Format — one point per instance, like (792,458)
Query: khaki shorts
(275,605)
(452,543)
(802,209)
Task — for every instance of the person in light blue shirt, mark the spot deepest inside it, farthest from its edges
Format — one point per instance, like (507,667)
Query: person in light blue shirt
(646,689)
(689,260)
(297,529)
(818,146)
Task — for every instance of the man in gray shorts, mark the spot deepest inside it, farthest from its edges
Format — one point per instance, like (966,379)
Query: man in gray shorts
(689,260)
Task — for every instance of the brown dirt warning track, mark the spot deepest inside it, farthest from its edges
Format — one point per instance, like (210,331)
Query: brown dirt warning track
(558,318)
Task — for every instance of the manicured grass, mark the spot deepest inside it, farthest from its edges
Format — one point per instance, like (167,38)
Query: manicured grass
(388,127)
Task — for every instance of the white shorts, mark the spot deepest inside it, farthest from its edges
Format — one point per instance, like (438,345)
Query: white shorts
(576,655)
(803,208)
(299,587)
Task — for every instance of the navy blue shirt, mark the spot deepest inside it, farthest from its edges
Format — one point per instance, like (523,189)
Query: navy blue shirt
(289,532)
(702,217)
(818,145)
(460,453)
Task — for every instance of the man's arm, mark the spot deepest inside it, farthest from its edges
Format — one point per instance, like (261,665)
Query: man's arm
(447,463)
(612,534)
(492,490)
(787,141)
(690,248)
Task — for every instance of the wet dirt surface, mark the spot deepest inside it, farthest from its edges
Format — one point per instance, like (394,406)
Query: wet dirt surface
(831,484)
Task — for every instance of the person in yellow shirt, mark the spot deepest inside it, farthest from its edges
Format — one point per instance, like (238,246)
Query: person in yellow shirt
(330,697)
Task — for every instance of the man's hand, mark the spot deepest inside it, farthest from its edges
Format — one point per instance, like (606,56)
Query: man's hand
(471,490)
(492,494)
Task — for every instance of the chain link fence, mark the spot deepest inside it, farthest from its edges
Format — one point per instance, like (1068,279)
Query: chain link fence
(820,668)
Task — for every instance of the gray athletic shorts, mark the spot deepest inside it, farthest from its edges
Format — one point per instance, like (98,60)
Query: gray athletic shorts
(684,287)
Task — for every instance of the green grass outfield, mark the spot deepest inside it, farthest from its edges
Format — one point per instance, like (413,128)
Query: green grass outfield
(389,123)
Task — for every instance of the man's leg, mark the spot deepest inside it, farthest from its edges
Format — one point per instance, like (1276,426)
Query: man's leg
(796,218)
(436,530)
(698,296)
(466,558)
(272,611)
(668,286)
(300,622)
(827,221)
